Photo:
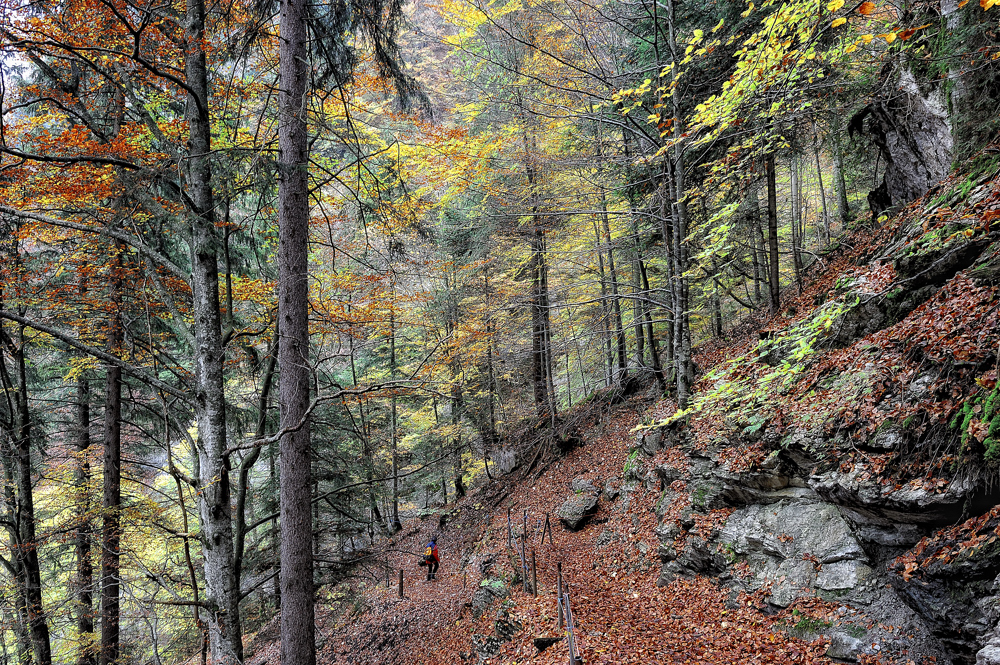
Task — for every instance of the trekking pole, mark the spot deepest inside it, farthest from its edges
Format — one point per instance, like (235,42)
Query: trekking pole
(400,582)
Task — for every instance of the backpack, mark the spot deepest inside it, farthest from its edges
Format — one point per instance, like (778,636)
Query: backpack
(429,554)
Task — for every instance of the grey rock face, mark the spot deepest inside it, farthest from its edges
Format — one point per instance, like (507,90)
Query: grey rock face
(486,594)
(989,655)
(576,509)
(796,547)
(905,505)
(652,442)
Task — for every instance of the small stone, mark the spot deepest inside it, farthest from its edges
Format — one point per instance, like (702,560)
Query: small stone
(844,647)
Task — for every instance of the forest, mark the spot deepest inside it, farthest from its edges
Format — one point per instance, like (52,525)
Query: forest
(285,287)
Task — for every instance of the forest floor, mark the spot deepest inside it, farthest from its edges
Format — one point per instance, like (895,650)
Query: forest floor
(611,565)
(620,614)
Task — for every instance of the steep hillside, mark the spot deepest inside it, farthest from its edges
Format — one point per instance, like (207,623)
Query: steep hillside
(828,496)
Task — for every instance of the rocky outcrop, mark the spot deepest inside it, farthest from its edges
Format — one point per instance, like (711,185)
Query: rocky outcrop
(788,537)
(580,505)
(489,591)
(828,482)
(809,546)
(910,126)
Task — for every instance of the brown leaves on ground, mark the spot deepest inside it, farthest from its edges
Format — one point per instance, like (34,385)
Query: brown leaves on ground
(948,544)
(621,616)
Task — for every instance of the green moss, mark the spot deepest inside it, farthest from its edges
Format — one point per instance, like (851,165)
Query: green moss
(854,631)
(990,408)
(812,625)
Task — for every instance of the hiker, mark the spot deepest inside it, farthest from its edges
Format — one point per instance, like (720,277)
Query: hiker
(431,559)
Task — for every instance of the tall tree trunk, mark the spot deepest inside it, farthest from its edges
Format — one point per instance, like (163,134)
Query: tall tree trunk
(112,494)
(756,248)
(843,209)
(822,190)
(86,653)
(537,332)
(27,545)
(10,409)
(222,592)
(774,287)
(549,354)
(638,297)
(615,296)
(272,471)
(682,328)
(246,466)
(491,392)
(609,362)
(84,567)
(297,612)
(667,226)
(653,346)
(796,221)
(393,433)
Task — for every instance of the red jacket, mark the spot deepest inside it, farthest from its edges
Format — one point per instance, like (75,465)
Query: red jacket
(433,556)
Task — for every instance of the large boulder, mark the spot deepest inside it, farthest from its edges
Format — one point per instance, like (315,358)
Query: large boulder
(576,509)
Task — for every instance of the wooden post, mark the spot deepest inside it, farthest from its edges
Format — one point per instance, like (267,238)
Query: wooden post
(534,575)
(559,592)
(524,527)
(400,582)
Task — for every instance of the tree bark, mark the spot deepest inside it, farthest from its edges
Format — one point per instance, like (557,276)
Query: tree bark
(822,190)
(682,328)
(222,592)
(246,466)
(84,567)
(393,432)
(297,611)
(615,296)
(112,494)
(796,221)
(609,361)
(756,248)
(774,287)
(27,545)
(638,295)
(653,346)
